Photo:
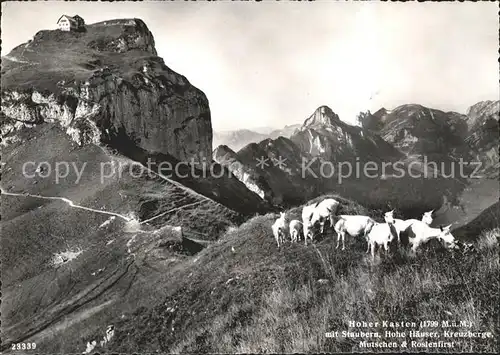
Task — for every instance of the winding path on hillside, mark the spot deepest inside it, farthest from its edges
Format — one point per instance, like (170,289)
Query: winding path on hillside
(161,176)
(72,204)
(15,59)
(171,210)
(68,201)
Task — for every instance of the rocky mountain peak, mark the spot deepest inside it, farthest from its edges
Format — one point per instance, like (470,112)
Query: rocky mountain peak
(380,113)
(482,138)
(105,84)
(322,116)
(483,110)
(130,34)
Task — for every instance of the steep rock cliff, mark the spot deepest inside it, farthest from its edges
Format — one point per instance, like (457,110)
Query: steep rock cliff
(324,135)
(274,169)
(482,111)
(104,84)
(483,135)
(416,129)
(421,131)
(245,173)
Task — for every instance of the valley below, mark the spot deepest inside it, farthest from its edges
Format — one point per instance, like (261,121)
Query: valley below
(476,197)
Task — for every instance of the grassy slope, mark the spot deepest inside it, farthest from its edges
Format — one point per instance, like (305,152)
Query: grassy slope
(126,192)
(41,63)
(243,295)
(39,298)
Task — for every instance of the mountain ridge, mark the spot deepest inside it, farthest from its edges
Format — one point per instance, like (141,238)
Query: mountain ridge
(102,83)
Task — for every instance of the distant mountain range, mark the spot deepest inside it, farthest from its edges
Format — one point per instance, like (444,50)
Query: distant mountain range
(237,139)
(414,130)
(441,136)
(409,134)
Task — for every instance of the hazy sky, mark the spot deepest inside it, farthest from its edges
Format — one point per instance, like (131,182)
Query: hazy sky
(271,64)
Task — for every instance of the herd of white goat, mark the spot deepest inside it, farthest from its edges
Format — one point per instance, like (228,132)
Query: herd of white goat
(375,233)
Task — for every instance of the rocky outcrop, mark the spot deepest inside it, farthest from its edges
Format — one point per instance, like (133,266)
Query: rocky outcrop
(324,135)
(482,111)
(442,136)
(322,117)
(105,84)
(372,121)
(245,173)
(288,171)
(486,220)
(135,35)
(415,129)
(31,107)
(483,136)
(274,169)
(280,165)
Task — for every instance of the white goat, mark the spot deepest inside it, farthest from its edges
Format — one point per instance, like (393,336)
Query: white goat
(307,213)
(422,233)
(381,235)
(320,212)
(354,226)
(402,225)
(279,229)
(427,217)
(325,210)
(295,229)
